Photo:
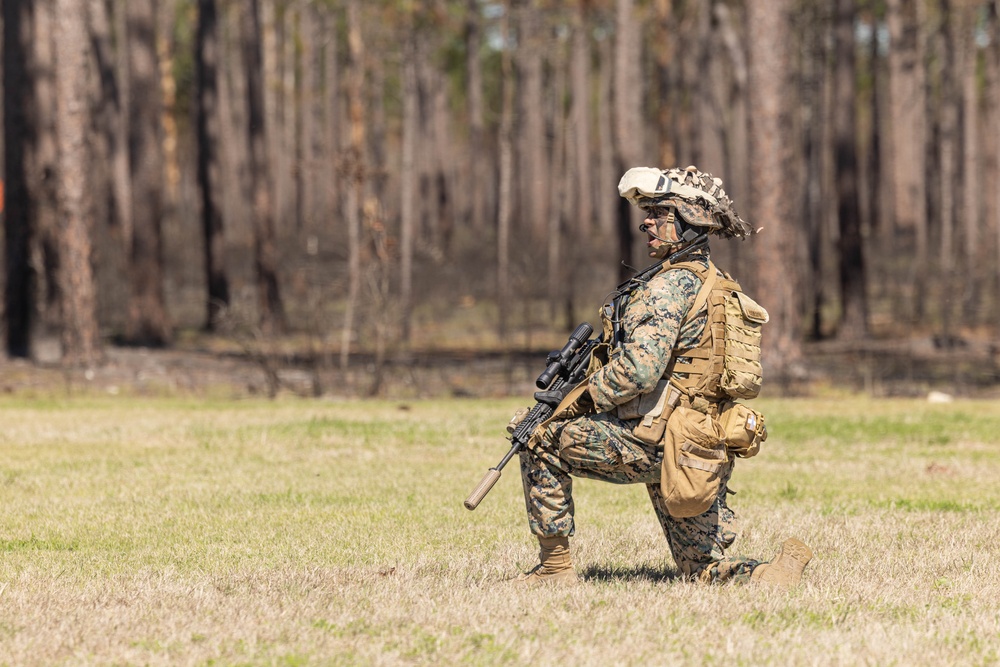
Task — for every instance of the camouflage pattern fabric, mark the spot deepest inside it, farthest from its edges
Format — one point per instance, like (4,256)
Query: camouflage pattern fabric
(698,544)
(595,446)
(652,325)
(602,446)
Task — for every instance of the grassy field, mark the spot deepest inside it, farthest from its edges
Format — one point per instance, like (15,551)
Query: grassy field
(173,532)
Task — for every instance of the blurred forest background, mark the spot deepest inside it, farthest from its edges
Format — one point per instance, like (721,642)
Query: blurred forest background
(358,189)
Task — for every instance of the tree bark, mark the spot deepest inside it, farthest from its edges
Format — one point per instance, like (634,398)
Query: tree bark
(607,199)
(664,55)
(876,178)
(271,310)
(818,140)
(907,141)
(971,208)
(556,256)
(408,182)
(993,123)
(209,168)
(334,101)
(441,158)
(44,168)
(582,190)
(354,170)
(313,37)
(113,120)
(302,118)
(772,203)
(851,261)
(80,342)
(737,141)
(165,48)
(533,147)
(710,111)
(147,322)
(476,152)
(20,137)
(505,187)
(628,91)
(947,173)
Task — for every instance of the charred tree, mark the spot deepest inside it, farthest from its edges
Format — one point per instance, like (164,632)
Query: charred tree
(851,261)
(20,137)
(209,167)
(270,309)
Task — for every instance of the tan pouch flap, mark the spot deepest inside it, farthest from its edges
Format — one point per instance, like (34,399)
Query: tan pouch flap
(644,404)
(752,310)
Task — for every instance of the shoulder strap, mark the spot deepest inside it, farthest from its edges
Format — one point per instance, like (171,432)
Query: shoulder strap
(707,285)
(699,366)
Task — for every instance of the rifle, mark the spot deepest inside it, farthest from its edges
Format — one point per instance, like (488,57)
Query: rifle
(564,369)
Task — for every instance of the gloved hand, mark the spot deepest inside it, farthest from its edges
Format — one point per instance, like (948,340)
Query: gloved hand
(516,420)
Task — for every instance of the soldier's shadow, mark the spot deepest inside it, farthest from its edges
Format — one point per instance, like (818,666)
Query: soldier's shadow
(608,573)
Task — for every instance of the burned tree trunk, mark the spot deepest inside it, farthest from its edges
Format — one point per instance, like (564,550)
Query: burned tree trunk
(271,311)
(209,167)
(20,137)
(851,261)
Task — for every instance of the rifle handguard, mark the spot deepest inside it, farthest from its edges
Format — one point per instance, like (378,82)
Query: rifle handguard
(484,486)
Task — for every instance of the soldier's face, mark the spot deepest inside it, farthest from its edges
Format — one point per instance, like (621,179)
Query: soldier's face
(660,232)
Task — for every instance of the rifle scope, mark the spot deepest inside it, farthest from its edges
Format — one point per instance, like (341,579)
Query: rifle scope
(562,358)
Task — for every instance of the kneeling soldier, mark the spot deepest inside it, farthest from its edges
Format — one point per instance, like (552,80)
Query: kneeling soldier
(662,379)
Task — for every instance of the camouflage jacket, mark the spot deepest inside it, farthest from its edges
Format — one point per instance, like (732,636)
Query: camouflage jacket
(653,323)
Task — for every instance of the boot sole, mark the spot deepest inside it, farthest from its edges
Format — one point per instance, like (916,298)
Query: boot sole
(785,571)
(796,550)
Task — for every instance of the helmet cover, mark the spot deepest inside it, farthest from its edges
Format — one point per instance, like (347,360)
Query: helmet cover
(698,197)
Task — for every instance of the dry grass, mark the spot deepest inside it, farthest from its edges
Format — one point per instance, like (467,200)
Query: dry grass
(169,532)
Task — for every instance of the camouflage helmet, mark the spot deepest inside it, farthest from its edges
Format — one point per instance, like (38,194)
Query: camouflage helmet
(698,197)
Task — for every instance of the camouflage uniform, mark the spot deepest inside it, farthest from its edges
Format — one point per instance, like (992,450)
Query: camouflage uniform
(602,446)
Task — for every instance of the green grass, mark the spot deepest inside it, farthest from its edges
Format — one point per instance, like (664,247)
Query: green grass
(168,531)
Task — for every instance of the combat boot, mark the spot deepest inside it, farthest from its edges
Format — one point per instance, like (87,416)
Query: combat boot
(784,571)
(555,567)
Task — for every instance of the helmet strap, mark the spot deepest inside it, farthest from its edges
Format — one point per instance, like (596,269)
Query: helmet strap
(685,232)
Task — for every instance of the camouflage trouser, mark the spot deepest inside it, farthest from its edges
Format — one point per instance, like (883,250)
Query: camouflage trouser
(602,447)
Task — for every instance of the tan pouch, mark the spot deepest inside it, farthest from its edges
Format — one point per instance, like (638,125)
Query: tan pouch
(694,454)
(744,429)
(742,374)
(653,410)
